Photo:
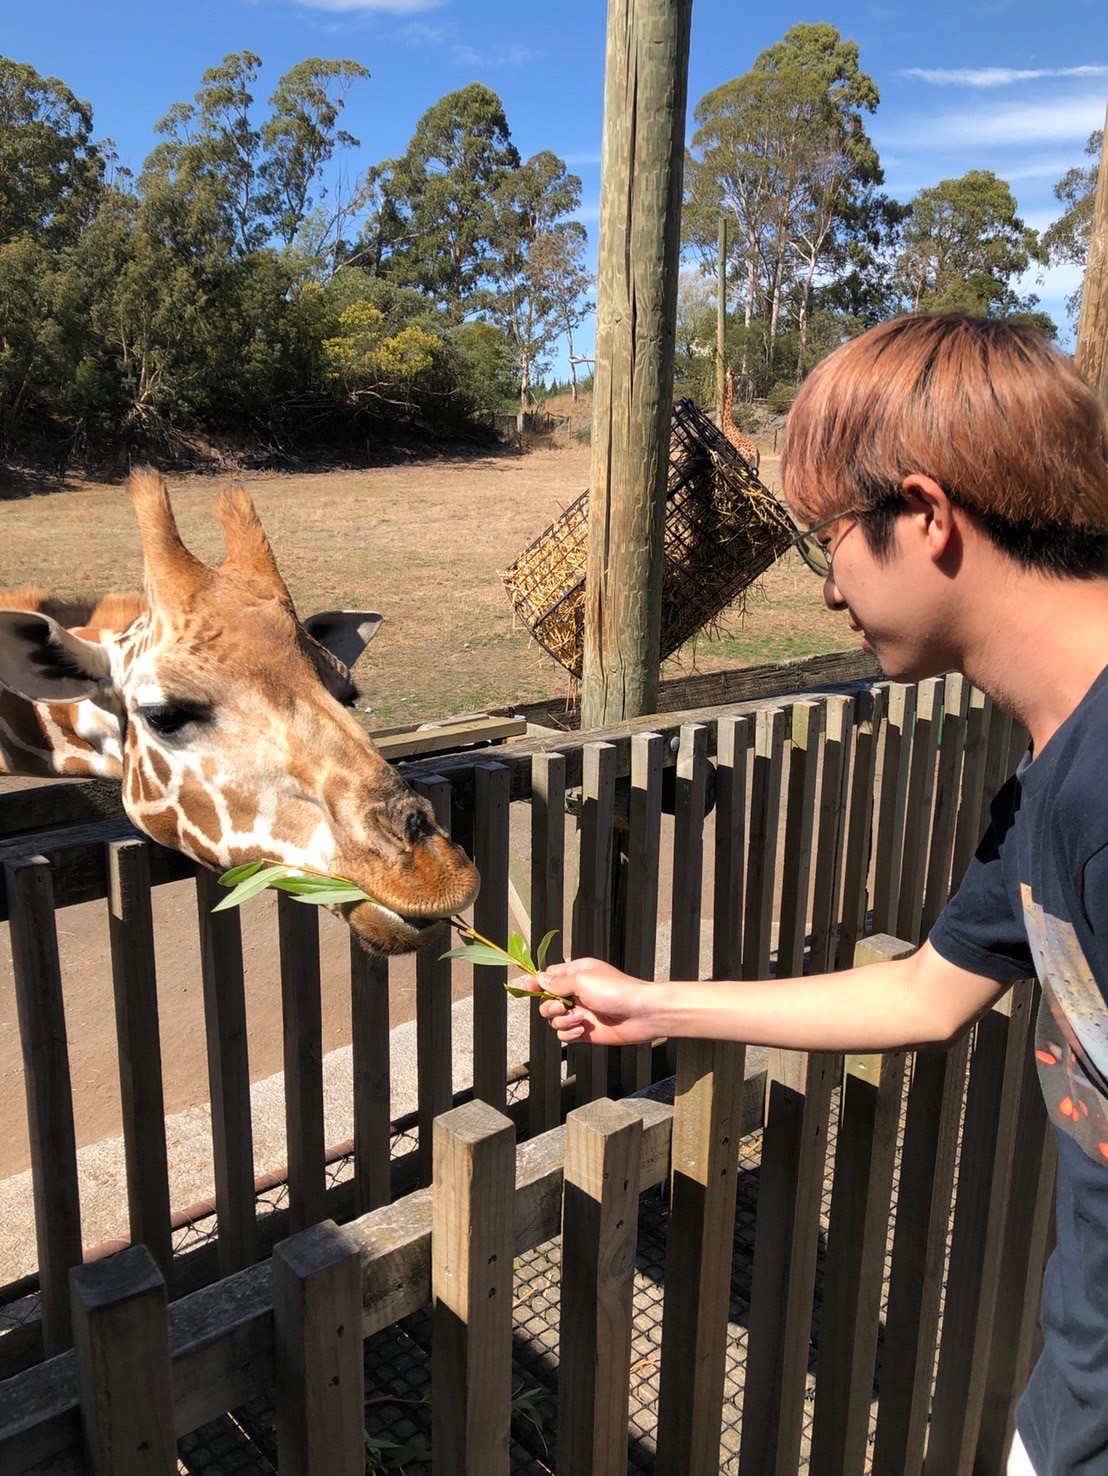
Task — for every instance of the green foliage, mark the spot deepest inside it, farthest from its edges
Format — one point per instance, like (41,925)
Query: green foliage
(252,878)
(1067,239)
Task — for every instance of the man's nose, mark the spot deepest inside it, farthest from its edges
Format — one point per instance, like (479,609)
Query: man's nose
(831,596)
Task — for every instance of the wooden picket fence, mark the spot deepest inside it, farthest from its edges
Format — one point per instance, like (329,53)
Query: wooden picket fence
(840,825)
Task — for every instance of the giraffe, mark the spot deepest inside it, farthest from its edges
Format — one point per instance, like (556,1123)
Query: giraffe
(225,720)
(742,444)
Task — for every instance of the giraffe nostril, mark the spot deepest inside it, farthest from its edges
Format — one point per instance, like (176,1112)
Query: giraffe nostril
(417,827)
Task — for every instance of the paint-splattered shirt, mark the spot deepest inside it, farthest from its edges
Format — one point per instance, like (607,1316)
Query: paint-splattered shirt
(1035,901)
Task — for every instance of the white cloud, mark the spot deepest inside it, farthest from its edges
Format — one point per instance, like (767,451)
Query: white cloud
(995,76)
(506,54)
(379,7)
(1065,119)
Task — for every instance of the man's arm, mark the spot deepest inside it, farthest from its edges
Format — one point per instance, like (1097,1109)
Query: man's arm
(899,1005)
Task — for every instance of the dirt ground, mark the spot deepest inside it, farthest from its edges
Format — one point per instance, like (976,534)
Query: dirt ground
(424,543)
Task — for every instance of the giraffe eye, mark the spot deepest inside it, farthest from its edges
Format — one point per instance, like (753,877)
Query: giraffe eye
(167,719)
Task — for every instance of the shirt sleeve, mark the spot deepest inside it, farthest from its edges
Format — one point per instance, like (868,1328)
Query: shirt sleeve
(979,930)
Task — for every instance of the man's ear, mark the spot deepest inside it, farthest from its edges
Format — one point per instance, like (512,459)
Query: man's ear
(345,633)
(43,661)
(928,497)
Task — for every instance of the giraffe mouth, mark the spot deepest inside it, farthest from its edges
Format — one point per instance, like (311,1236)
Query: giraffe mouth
(383,931)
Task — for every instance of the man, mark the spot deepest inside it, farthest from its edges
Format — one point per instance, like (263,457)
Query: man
(955,474)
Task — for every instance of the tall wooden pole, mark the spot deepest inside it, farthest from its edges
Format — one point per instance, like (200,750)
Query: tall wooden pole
(640,212)
(1092,326)
(721,317)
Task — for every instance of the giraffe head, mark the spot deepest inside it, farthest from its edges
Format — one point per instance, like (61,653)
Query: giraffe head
(234,738)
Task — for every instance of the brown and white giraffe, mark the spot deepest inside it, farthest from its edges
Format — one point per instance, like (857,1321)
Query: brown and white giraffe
(225,719)
(742,444)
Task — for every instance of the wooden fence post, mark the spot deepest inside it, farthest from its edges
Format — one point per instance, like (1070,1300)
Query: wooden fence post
(38,997)
(434,1020)
(131,930)
(472,1245)
(317,1319)
(599,1227)
(121,1338)
(370,1059)
(865,1154)
(302,1035)
(491,802)
(1092,326)
(548,839)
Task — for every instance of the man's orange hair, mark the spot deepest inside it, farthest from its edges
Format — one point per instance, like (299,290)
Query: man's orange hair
(998,417)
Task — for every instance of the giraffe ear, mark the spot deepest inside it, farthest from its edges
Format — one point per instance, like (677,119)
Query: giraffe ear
(43,661)
(345,633)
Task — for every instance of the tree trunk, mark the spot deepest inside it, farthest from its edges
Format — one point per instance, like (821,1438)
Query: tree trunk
(1092,326)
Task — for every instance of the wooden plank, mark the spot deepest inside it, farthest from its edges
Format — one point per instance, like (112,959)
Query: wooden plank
(434,1021)
(790,1188)
(850,1313)
(79,860)
(320,1394)
(228,1075)
(703,1180)
(1028,1238)
(972,800)
(472,1243)
(592,900)
(448,737)
(28,805)
(934,1104)
(142,1101)
(918,806)
(869,721)
(984,1176)
(688,854)
(952,746)
(548,842)
(121,1339)
(490,918)
(370,1059)
(46,1079)
(733,740)
(222,1336)
(644,831)
(765,810)
(891,805)
(838,748)
(599,1225)
(302,1017)
(806,723)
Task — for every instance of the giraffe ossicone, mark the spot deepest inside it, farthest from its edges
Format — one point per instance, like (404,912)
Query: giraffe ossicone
(225,719)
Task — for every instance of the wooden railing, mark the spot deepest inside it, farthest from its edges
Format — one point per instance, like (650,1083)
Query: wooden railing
(835,818)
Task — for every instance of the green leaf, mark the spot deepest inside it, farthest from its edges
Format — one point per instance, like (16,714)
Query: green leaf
(480,953)
(544,995)
(520,954)
(330,898)
(251,887)
(544,949)
(240,873)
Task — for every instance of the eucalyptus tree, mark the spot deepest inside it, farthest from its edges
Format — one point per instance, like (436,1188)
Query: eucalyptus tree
(783,151)
(964,245)
(1066,241)
(531,266)
(437,222)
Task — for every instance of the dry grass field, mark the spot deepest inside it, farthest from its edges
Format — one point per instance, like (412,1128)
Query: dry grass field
(424,543)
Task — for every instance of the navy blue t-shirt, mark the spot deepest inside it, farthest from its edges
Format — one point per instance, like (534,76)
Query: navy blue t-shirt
(1034,901)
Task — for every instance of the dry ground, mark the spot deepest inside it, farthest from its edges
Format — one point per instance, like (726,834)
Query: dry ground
(425,544)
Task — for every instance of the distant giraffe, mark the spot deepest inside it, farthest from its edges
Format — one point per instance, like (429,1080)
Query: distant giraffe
(742,444)
(224,718)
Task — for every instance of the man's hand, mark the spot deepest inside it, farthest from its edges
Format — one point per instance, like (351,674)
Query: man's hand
(609,1008)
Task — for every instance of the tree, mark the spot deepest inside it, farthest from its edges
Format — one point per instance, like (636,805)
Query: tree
(963,245)
(437,218)
(557,260)
(49,168)
(1066,241)
(532,252)
(783,151)
(302,134)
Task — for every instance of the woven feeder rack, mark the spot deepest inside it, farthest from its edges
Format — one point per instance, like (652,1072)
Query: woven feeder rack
(723,529)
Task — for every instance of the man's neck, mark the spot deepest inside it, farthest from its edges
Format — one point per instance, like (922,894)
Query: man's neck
(1036,644)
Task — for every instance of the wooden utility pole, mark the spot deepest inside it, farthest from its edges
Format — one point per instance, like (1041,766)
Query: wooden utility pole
(1092,326)
(721,317)
(636,310)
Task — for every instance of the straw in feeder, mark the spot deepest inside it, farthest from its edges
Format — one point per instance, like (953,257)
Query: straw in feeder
(723,529)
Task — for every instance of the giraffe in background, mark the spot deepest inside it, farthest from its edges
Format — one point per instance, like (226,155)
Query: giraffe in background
(224,718)
(742,444)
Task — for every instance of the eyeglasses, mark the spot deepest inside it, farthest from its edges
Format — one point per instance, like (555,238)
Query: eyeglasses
(816,555)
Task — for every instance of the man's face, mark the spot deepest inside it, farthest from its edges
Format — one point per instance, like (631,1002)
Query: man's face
(896,601)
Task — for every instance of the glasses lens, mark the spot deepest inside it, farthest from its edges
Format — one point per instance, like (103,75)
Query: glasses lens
(812,551)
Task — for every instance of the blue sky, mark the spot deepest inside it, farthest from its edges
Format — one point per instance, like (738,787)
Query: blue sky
(965,84)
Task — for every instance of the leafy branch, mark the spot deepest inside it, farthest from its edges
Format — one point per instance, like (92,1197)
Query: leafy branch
(481,950)
(303,884)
